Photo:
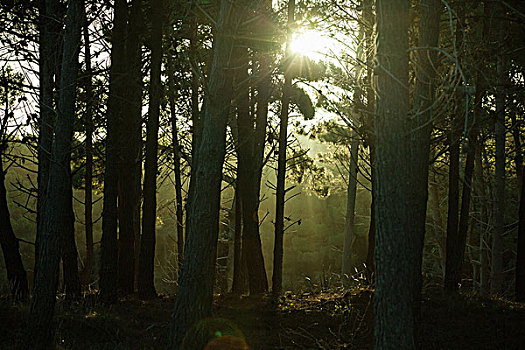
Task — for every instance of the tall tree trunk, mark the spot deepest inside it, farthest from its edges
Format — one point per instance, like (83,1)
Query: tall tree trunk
(369,22)
(176,167)
(238,282)
(88,189)
(483,222)
(520,258)
(350,210)
(16,274)
(277,277)
(402,153)
(49,42)
(456,124)
(68,248)
(420,130)
(146,285)
(246,179)
(370,252)
(57,208)
(263,87)
(195,78)
(349,233)
(131,152)
(498,265)
(195,293)
(456,244)
(109,247)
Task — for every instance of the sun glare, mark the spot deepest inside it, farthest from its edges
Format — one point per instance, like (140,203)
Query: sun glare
(310,43)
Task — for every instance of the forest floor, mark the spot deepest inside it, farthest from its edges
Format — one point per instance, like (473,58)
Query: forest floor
(305,321)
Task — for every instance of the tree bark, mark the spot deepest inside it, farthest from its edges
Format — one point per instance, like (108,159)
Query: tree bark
(59,186)
(483,222)
(176,167)
(368,22)
(456,244)
(130,151)
(146,285)
(50,29)
(195,78)
(498,265)
(195,294)
(453,234)
(88,189)
(277,277)
(109,247)
(247,172)
(402,152)
(350,210)
(238,282)
(68,249)
(520,258)
(420,126)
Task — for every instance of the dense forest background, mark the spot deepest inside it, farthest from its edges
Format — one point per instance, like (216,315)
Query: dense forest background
(196,149)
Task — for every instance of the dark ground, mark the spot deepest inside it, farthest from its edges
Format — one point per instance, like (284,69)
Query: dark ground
(307,321)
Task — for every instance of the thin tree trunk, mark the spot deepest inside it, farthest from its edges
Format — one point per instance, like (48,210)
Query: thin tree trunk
(146,285)
(456,244)
(349,233)
(195,293)
(350,210)
(68,249)
(369,22)
(88,189)
(109,247)
(238,283)
(195,78)
(498,264)
(453,235)
(49,42)
(520,258)
(420,128)
(370,266)
(176,167)
(57,209)
(277,277)
(484,222)
(131,152)
(246,179)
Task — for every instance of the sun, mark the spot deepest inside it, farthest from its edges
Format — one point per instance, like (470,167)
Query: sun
(310,43)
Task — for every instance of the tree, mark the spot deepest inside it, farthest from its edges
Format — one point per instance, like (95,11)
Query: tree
(194,298)
(454,236)
(57,207)
(50,21)
(109,247)
(130,149)
(88,189)
(402,152)
(176,165)
(146,285)
(350,209)
(520,258)
(247,172)
(277,277)
(496,32)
